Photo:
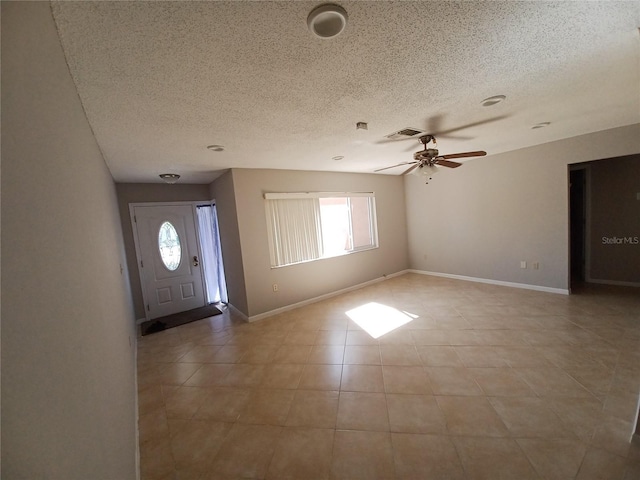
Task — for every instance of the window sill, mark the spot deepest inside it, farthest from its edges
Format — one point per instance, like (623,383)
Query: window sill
(326,258)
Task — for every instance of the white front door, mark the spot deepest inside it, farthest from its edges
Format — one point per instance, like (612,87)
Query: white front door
(168,259)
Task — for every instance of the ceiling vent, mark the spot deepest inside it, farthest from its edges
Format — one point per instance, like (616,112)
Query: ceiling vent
(405,133)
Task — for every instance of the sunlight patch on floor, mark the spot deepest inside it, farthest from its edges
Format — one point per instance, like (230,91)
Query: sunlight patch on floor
(377,319)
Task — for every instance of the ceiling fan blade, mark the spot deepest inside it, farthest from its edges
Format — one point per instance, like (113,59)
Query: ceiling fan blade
(410,169)
(433,123)
(393,166)
(463,155)
(469,125)
(446,163)
(408,148)
(394,140)
(413,147)
(454,137)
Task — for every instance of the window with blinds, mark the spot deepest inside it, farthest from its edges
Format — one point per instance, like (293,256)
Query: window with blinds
(303,227)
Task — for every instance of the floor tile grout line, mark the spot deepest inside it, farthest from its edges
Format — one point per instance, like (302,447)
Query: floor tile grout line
(510,366)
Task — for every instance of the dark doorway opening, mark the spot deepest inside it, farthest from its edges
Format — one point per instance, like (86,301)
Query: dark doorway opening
(578,224)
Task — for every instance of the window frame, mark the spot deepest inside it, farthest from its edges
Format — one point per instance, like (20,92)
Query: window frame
(372,222)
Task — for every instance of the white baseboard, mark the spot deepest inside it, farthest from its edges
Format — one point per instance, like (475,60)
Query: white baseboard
(539,288)
(309,301)
(613,282)
(238,312)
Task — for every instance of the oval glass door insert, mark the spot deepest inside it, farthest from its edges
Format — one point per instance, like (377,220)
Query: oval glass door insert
(169,246)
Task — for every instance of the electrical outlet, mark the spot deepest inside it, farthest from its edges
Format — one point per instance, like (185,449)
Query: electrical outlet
(523,264)
(275,287)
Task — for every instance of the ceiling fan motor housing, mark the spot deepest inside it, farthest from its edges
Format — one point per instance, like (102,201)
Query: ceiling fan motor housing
(426,154)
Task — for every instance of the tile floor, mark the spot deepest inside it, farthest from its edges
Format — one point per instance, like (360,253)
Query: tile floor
(484,382)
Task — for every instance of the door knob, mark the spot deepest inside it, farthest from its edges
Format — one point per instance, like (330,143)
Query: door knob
(196,262)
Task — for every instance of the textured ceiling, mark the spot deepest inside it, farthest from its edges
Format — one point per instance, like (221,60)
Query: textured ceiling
(162,80)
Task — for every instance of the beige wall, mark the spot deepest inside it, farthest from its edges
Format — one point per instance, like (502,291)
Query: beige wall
(223,192)
(309,280)
(482,219)
(615,213)
(149,192)
(68,369)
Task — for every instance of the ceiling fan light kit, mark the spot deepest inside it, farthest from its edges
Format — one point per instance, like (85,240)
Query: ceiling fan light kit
(428,170)
(327,21)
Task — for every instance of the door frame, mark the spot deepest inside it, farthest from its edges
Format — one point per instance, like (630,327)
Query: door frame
(136,241)
(586,168)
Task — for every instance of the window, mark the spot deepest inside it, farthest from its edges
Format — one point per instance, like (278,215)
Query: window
(310,226)
(169,246)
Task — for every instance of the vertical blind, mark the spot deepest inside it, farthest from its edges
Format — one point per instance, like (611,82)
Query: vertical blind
(296,235)
(295,225)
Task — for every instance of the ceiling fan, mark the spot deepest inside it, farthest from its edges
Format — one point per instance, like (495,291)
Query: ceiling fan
(428,158)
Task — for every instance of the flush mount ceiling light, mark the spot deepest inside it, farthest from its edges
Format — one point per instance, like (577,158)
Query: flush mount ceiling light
(541,125)
(337,157)
(170,178)
(488,102)
(327,21)
(215,148)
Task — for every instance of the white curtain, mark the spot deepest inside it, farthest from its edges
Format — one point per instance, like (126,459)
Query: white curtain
(211,261)
(295,233)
